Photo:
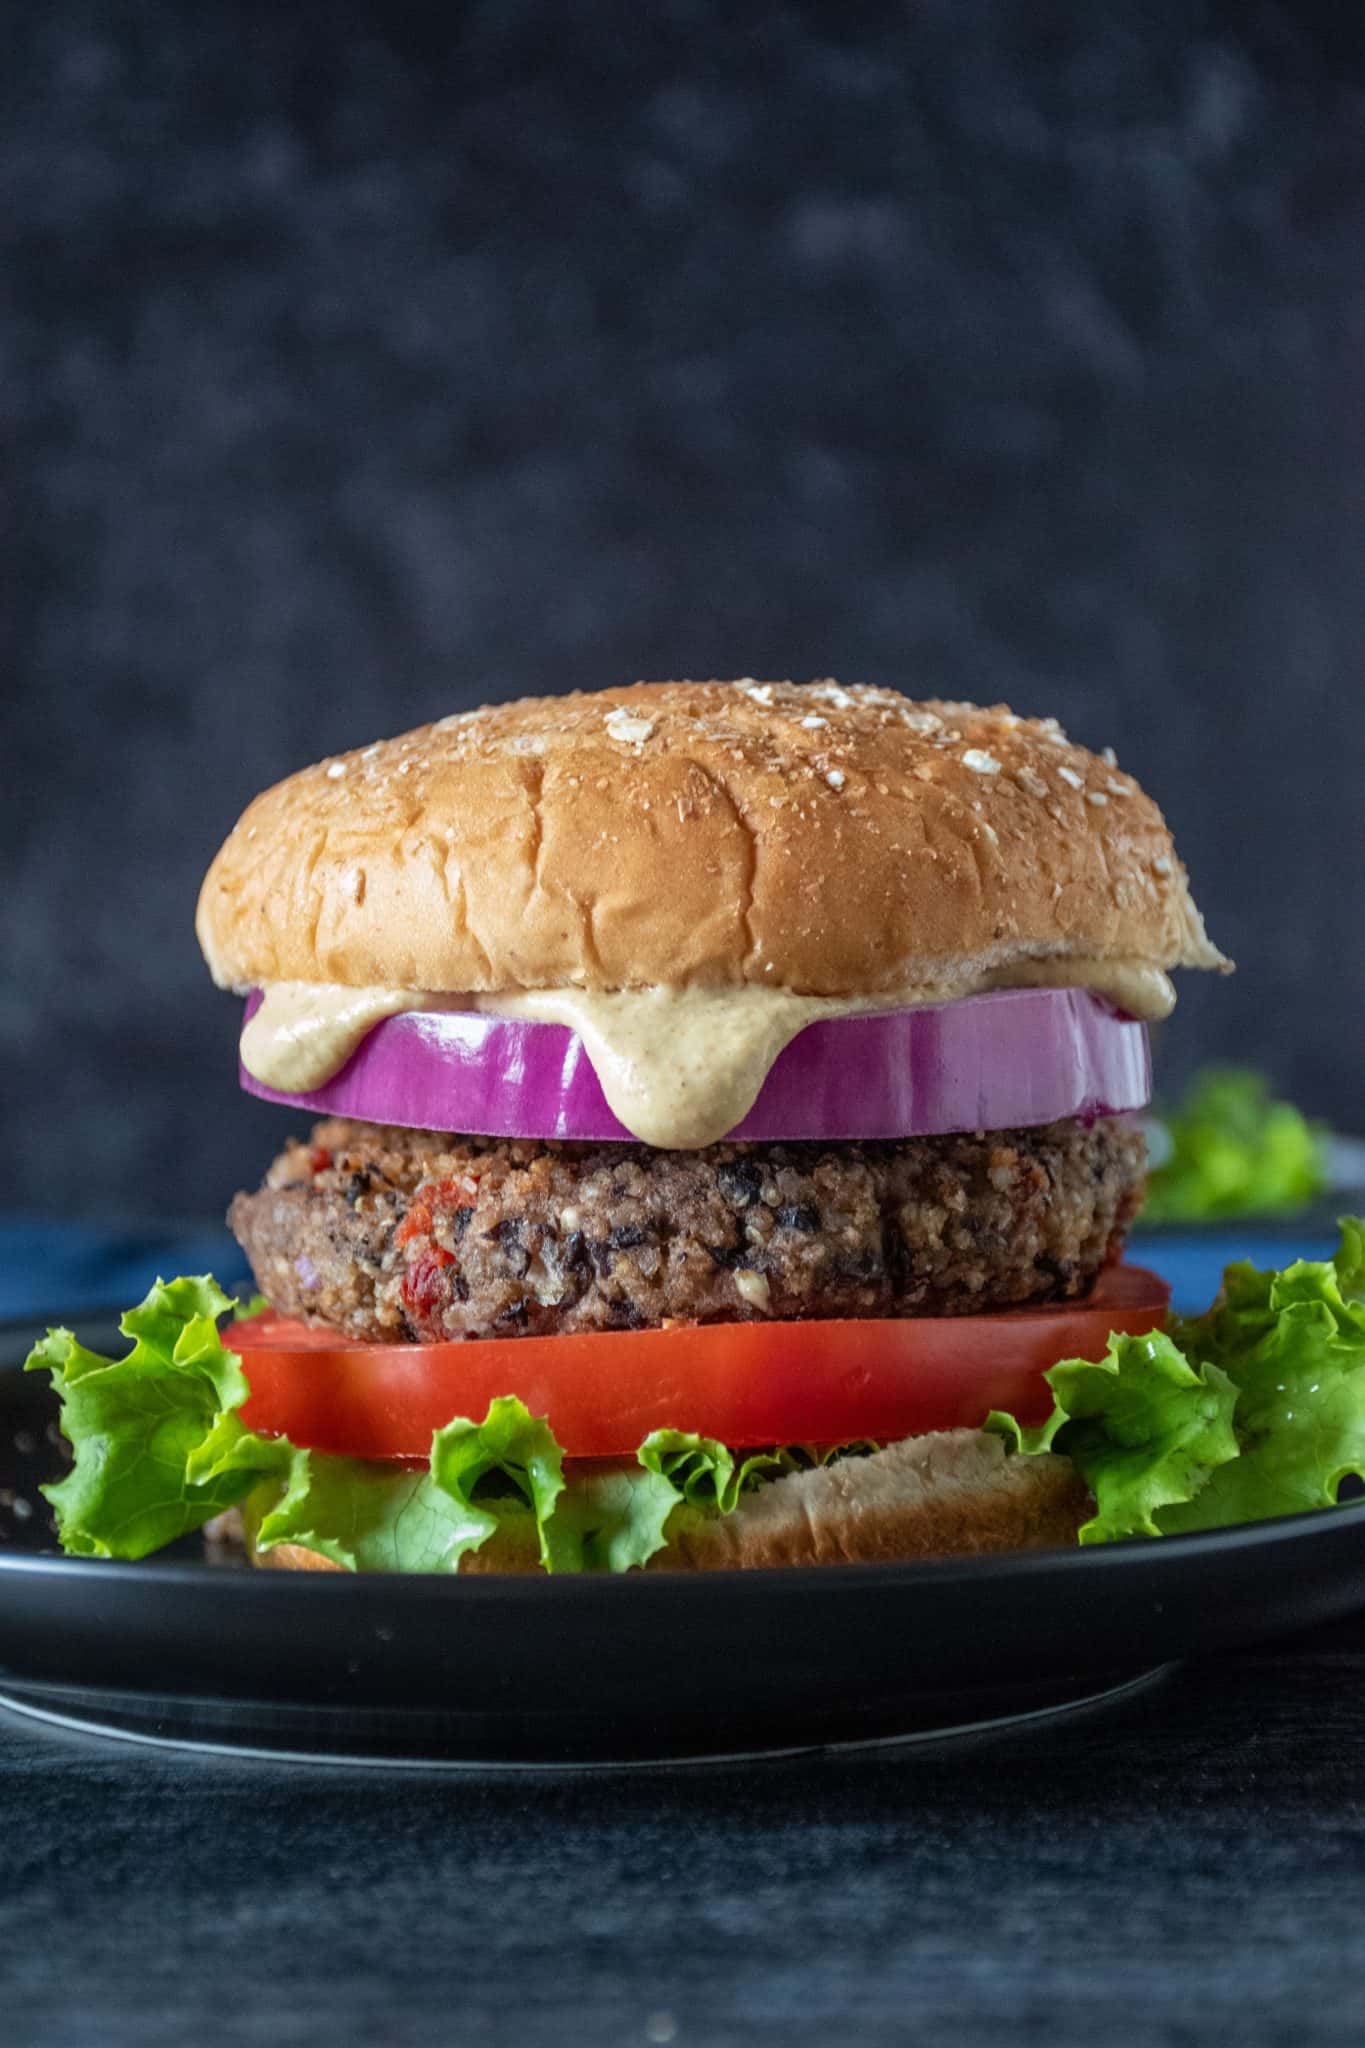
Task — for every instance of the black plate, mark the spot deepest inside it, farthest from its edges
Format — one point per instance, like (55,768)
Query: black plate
(603,1669)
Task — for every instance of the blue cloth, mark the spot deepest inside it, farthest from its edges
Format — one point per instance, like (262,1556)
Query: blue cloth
(58,1269)
(1193,1261)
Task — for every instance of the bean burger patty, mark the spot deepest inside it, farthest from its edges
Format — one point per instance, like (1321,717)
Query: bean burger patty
(389,1233)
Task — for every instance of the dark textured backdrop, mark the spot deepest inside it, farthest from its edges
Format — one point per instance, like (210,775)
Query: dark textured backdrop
(354,369)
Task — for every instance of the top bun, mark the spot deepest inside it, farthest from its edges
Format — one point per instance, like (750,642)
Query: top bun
(828,840)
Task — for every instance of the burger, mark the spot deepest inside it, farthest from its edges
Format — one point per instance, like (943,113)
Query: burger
(719,1136)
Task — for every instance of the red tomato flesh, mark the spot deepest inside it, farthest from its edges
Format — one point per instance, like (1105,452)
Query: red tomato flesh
(746,1383)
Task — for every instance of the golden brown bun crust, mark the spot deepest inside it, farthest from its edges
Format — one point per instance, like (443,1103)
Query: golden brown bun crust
(953,1494)
(827,840)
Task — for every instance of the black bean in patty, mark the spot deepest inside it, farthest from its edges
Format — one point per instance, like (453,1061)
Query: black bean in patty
(400,1233)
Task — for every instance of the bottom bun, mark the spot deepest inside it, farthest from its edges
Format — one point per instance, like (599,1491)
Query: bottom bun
(954,1494)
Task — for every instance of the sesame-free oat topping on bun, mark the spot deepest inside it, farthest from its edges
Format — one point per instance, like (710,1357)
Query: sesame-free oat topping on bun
(835,841)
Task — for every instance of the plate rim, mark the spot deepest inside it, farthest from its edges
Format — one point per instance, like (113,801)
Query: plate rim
(1096,1558)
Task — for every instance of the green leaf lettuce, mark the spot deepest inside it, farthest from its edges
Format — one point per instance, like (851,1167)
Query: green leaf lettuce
(1255,1409)
(136,1422)
(1293,1345)
(1235,1151)
(160,1449)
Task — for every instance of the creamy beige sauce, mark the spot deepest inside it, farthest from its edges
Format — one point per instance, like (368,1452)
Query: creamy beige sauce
(305,1031)
(1140,990)
(679,1067)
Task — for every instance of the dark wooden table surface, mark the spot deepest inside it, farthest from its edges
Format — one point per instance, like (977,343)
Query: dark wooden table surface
(1187,1867)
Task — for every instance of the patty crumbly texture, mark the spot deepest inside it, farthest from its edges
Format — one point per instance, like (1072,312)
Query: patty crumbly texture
(406,1234)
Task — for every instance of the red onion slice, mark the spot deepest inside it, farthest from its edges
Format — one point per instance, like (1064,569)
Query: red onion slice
(988,1063)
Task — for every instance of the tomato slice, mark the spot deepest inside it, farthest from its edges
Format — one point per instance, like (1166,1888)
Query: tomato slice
(746,1383)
